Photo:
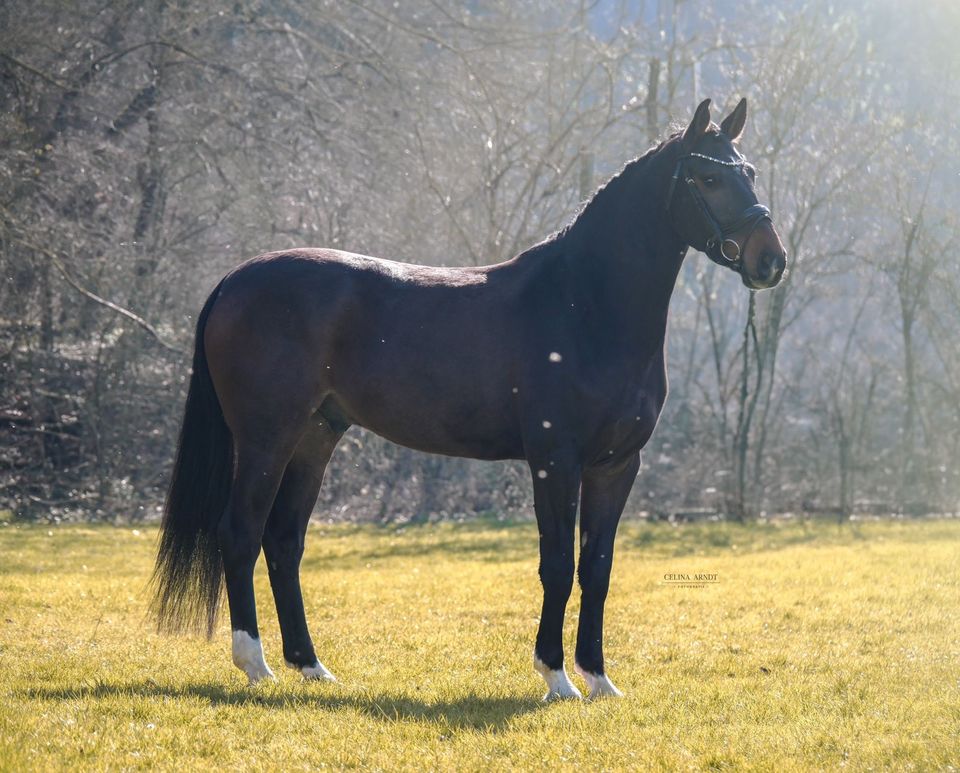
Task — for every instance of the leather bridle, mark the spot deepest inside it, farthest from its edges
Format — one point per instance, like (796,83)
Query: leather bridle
(720,247)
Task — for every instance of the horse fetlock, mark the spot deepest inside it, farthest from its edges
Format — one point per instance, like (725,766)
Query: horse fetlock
(559,686)
(248,657)
(598,684)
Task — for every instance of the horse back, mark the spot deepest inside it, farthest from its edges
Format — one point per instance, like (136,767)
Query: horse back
(427,357)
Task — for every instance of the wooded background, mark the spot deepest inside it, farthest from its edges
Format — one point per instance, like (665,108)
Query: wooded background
(148,147)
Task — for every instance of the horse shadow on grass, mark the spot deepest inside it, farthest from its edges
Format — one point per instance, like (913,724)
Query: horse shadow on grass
(475,712)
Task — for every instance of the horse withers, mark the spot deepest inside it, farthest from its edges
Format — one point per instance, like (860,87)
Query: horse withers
(555,357)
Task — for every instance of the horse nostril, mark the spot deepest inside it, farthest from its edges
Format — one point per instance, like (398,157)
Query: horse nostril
(766,264)
(772,264)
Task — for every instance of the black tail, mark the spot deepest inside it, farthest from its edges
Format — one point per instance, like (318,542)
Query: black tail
(188,576)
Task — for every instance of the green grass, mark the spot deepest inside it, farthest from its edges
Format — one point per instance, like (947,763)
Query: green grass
(821,647)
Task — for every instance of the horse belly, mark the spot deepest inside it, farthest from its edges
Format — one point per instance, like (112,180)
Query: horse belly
(453,430)
(432,395)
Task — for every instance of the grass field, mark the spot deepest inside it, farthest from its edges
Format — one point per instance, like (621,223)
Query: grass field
(820,646)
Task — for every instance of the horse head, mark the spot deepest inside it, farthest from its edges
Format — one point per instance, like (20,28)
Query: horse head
(712,200)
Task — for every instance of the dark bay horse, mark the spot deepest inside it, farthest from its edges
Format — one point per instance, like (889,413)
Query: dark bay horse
(555,357)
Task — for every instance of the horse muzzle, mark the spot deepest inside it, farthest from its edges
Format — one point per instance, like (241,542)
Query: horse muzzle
(770,267)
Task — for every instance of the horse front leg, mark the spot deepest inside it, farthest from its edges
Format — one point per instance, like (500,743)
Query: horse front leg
(556,484)
(604,494)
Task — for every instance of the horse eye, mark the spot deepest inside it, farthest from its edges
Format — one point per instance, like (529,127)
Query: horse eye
(710,181)
(752,174)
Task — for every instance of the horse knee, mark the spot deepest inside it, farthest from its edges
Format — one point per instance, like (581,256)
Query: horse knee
(594,577)
(556,574)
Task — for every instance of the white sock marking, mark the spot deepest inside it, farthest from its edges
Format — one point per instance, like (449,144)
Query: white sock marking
(599,685)
(248,657)
(558,683)
(315,672)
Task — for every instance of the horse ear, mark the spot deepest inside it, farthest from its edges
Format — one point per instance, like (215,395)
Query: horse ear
(732,125)
(699,125)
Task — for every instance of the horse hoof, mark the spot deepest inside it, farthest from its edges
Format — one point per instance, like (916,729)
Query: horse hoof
(599,685)
(248,657)
(314,673)
(563,695)
(559,686)
(261,677)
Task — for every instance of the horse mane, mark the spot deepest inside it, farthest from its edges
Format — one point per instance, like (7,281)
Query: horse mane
(596,205)
(613,185)
(627,172)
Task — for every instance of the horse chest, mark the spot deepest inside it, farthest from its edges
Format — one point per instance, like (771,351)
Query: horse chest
(627,417)
(649,406)
(636,422)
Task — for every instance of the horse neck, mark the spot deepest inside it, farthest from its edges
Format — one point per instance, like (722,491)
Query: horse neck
(623,248)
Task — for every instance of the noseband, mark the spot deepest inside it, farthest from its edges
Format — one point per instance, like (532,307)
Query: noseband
(720,247)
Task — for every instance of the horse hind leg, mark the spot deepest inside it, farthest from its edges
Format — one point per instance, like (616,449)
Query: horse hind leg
(257,476)
(283,543)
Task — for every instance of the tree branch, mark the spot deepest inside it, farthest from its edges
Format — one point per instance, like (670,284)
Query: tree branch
(116,308)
